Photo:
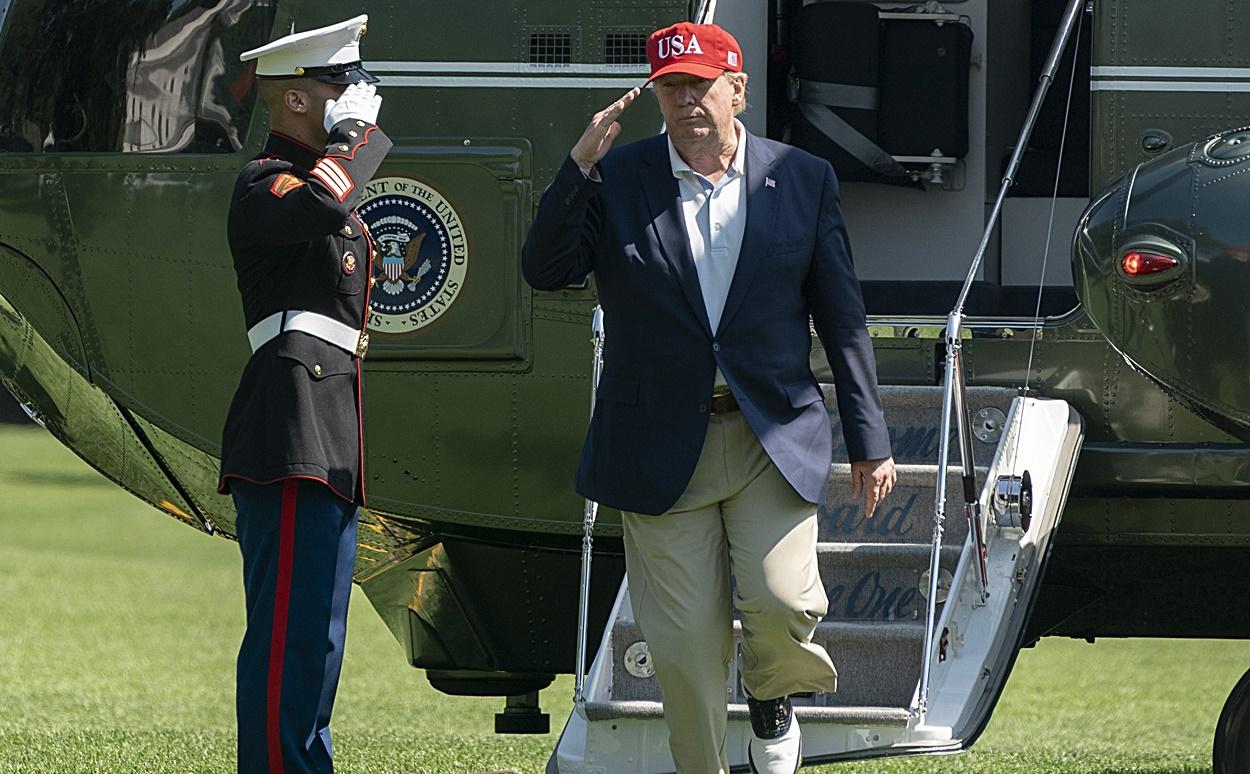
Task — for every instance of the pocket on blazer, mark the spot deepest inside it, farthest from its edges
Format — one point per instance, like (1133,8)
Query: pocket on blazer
(786,246)
(320,359)
(803,394)
(617,389)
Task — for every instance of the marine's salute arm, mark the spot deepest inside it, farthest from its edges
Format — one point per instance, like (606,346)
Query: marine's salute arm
(560,247)
(284,208)
(837,307)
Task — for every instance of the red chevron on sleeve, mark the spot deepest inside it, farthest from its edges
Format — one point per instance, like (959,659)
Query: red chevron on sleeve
(284,183)
(332,174)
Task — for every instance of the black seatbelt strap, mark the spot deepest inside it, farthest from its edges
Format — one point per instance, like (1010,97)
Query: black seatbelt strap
(839,94)
(815,99)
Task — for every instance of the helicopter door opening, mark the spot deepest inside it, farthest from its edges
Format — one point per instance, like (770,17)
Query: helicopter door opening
(860,76)
(917,107)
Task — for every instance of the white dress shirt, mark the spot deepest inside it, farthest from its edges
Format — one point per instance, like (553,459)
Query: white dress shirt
(715,216)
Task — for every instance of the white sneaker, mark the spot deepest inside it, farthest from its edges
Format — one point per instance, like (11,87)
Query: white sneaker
(783,752)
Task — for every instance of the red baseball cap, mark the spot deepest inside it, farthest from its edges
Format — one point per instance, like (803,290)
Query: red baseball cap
(701,50)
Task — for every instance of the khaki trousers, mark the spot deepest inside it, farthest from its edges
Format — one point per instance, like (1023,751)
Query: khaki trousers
(738,518)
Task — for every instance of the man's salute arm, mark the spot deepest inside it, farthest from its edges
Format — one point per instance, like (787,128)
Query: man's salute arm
(355,149)
(280,207)
(559,250)
(355,146)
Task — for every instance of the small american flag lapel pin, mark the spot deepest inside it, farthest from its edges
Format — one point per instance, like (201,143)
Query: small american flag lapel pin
(770,183)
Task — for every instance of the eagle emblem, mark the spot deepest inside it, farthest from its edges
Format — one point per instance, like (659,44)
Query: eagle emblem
(420,253)
(399,252)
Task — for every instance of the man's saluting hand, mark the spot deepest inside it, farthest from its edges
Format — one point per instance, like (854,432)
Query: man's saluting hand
(596,141)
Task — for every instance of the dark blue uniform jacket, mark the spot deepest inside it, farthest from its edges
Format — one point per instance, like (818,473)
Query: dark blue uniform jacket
(298,245)
(660,354)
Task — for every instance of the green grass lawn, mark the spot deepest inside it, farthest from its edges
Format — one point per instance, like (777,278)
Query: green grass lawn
(119,626)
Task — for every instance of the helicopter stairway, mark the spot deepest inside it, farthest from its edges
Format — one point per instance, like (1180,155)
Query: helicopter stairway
(876,577)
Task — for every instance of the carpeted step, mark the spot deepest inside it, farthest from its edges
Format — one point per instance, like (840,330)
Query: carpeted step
(906,516)
(878,582)
(913,415)
(878,665)
(847,716)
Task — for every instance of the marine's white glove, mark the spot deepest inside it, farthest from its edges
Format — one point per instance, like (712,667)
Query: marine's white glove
(360,101)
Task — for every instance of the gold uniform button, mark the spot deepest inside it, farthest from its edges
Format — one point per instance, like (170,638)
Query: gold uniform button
(373,281)
(317,369)
(360,123)
(351,133)
(344,148)
(347,230)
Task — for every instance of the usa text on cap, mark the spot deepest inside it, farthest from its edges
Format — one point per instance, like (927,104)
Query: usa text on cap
(701,50)
(330,54)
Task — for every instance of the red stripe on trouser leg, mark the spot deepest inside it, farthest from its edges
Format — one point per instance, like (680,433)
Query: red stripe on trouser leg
(277,641)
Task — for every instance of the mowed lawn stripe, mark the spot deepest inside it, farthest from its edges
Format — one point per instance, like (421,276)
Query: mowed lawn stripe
(119,627)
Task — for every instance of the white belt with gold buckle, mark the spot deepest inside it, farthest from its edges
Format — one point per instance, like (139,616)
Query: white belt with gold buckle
(331,331)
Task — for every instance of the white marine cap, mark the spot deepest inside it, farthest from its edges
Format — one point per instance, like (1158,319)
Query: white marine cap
(330,54)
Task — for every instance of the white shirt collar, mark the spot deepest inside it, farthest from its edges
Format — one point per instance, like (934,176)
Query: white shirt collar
(736,167)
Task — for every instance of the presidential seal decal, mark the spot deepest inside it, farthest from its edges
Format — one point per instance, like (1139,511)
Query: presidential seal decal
(420,257)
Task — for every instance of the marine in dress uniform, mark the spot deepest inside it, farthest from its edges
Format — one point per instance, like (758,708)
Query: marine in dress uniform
(292,453)
(712,249)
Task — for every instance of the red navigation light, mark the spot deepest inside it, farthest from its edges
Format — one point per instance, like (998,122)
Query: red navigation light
(1140,263)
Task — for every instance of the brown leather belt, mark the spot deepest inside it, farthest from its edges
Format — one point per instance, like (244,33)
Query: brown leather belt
(724,404)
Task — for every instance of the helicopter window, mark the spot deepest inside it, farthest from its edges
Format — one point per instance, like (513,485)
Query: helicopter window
(551,47)
(625,48)
(154,77)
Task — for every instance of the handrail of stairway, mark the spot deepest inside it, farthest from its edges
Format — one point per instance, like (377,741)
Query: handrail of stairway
(939,513)
(590,512)
(953,390)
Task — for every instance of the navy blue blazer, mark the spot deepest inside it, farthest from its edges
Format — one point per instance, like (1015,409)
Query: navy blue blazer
(661,355)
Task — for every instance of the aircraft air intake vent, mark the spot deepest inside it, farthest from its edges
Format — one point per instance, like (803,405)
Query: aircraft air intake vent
(551,47)
(625,48)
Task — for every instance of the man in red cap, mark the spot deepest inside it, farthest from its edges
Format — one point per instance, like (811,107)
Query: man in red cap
(711,249)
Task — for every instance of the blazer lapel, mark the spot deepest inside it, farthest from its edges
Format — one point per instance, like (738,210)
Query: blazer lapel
(663,201)
(761,200)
